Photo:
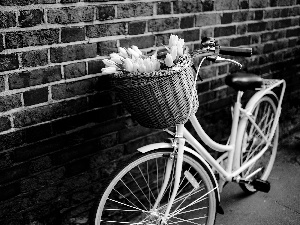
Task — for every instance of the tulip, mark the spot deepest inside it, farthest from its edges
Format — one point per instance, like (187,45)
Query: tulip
(108,70)
(136,49)
(135,67)
(173,52)
(169,60)
(123,52)
(179,49)
(133,53)
(116,58)
(109,63)
(173,40)
(128,65)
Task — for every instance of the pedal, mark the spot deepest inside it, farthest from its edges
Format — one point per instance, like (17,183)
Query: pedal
(261,185)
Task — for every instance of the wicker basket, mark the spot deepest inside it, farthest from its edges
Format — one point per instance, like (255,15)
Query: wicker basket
(159,99)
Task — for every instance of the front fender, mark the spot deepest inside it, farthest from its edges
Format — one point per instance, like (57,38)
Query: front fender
(206,166)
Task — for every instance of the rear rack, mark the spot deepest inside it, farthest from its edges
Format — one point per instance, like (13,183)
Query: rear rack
(267,83)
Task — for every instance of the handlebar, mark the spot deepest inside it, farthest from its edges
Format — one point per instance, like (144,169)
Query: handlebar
(235,51)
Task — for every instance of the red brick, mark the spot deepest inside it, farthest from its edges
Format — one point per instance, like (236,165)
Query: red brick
(208,5)
(293,32)
(244,4)
(226,5)
(95,66)
(136,27)
(22,39)
(141,42)
(30,18)
(9,191)
(35,96)
(226,18)
(75,70)
(256,27)
(70,15)
(35,58)
(2,84)
(69,1)
(31,116)
(282,23)
(34,77)
(8,102)
(106,12)
(8,62)
(103,30)
(25,2)
(191,35)
(7,19)
(106,47)
(240,41)
(187,6)
(68,90)
(72,34)
(224,31)
(5,124)
(134,10)
(207,19)
(1,43)
(241,29)
(163,8)
(163,24)
(73,52)
(162,39)
(187,22)
(258,3)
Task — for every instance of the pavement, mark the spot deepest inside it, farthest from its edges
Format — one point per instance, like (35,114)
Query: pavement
(281,206)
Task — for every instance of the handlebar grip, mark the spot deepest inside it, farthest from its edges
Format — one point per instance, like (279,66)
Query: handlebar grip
(235,51)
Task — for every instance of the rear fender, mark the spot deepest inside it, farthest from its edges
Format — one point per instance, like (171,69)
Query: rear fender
(206,166)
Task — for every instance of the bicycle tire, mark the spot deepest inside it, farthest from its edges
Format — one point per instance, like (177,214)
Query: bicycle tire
(143,175)
(263,111)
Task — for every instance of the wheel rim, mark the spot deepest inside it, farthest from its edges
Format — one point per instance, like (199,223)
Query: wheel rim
(131,200)
(263,114)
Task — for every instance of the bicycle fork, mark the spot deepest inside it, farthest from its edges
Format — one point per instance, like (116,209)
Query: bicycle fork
(179,146)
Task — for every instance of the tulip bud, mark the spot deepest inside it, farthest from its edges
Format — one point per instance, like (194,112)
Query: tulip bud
(108,70)
(173,52)
(128,65)
(173,40)
(179,49)
(123,52)
(116,58)
(169,60)
(136,49)
(133,53)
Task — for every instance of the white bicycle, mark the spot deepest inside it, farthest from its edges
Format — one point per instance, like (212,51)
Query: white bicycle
(171,183)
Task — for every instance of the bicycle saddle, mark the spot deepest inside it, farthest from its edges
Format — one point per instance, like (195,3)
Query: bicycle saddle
(242,81)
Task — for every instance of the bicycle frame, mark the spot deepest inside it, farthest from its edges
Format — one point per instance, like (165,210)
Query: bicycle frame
(232,150)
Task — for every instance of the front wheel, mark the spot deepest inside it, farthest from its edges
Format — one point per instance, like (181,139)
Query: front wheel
(263,114)
(131,194)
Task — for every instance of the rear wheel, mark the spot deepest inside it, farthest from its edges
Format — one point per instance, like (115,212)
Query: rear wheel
(130,196)
(263,114)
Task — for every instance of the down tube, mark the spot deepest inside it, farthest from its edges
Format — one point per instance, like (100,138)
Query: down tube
(205,154)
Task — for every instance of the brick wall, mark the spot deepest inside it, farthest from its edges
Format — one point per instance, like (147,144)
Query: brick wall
(62,131)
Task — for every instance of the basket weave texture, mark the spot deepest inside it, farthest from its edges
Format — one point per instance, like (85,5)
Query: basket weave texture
(159,99)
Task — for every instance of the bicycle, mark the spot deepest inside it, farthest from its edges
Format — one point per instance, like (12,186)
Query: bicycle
(168,183)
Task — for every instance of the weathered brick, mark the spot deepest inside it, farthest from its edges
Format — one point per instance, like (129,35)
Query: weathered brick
(103,30)
(240,41)
(134,10)
(258,3)
(282,23)
(34,58)
(136,27)
(95,66)
(8,62)
(226,5)
(9,191)
(293,32)
(208,19)
(187,22)
(256,27)
(8,102)
(7,19)
(73,52)
(2,84)
(141,42)
(285,2)
(34,77)
(191,35)
(242,16)
(71,15)
(74,70)
(1,43)
(68,90)
(207,5)
(25,2)
(5,124)
(23,39)
(106,12)
(224,31)
(106,47)
(31,116)
(163,8)
(163,24)
(162,39)
(226,18)
(35,96)
(241,29)
(207,32)
(30,18)
(244,4)
(69,1)
(187,6)
(72,34)
(258,15)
